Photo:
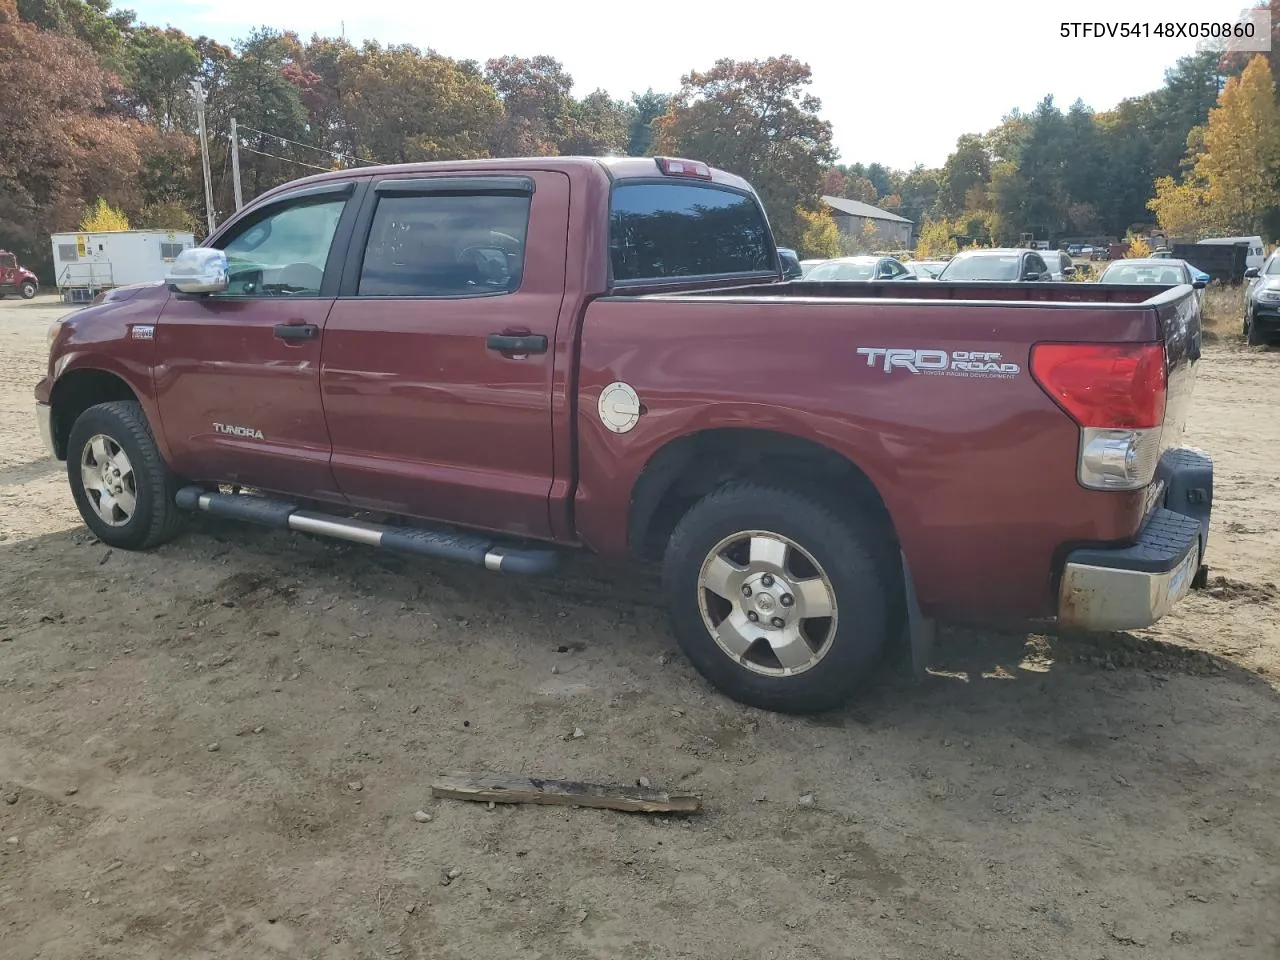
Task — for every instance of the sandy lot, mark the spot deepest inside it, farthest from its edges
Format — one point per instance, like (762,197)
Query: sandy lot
(217,750)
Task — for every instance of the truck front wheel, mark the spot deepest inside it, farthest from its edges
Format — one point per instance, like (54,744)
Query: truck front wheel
(29,290)
(776,598)
(120,483)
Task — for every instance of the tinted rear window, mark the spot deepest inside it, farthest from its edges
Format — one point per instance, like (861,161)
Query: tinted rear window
(662,230)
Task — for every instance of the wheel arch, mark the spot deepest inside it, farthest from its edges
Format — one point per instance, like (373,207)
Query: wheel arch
(688,467)
(75,391)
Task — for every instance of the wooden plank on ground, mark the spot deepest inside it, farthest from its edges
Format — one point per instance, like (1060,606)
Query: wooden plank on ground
(567,793)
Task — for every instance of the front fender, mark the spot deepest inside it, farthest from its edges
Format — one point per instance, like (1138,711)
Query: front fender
(111,338)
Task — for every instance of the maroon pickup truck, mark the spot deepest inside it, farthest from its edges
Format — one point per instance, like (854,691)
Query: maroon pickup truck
(497,361)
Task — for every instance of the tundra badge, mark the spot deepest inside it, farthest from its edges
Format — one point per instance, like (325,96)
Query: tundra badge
(235,431)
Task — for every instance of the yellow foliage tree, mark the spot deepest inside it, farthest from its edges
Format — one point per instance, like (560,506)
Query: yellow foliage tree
(1180,208)
(1138,248)
(819,235)
(104,218)
(935,240)
(1235,170)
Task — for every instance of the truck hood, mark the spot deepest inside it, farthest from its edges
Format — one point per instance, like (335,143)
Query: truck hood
(153,288)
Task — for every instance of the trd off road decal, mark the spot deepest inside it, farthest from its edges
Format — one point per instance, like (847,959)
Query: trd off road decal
(979,364)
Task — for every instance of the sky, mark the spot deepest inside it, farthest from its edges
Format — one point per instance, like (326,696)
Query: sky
(899,83)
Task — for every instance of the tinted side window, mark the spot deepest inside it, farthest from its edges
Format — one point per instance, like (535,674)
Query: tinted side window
(1034,262)
(284,253)
(660,230)
(445,245)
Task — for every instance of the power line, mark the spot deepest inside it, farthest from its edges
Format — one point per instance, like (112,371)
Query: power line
(306,146)
(275,156)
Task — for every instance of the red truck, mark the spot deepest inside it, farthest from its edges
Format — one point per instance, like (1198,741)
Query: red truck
(498,361)
(15,278)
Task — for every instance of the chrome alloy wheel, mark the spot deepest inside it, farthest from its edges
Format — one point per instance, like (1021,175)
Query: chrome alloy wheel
(768,603)
(109,482)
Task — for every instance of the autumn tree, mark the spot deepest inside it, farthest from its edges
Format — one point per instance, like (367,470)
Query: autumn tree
(645,108)
(935,240)
(819,235)
(968,167)
(104,218)
(62,142)
(401,104)
(757,119)
(1234,180)
(537,105)
(597,125)
(162,64)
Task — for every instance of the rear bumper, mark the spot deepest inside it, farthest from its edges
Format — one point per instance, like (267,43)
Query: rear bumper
(1126,588)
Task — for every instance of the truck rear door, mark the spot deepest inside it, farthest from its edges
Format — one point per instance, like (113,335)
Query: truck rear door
(436,371)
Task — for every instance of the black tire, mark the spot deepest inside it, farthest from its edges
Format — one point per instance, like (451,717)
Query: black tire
(844,546)
(155,518)
(1252,335)
(29,290)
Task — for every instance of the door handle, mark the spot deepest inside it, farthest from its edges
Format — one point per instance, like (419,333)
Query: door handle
(516,344)
(296,331)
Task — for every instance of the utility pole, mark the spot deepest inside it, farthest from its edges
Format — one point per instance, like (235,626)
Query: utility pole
(197,90)
(235,163)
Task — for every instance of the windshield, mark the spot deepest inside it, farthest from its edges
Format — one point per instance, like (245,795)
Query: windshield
(993,267)
(1272,269)
(1127,273)
(835,270)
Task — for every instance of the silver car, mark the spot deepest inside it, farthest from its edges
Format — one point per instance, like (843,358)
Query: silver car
(1262,302)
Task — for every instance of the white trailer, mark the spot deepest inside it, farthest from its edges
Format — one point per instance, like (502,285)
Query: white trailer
(87,263)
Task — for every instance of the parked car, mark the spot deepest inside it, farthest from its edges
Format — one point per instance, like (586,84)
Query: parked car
(1007,264)
(866,268)
(926,269)
(15,278)
(1059,264)
(455,360)
(791,269)
(1262,302)
(1075,250)
(1152,270)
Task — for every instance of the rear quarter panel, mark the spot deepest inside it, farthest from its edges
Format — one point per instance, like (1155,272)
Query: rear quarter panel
(978,473)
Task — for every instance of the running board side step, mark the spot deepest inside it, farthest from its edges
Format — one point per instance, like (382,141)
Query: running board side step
(479,550)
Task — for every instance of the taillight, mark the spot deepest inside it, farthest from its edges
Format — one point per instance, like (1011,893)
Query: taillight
(1116,393)
(674,167)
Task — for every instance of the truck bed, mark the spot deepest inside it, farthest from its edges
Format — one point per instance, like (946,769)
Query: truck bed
(977,466)
(1093,294)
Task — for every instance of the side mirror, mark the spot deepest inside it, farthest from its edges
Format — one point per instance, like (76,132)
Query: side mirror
(1031,275)
(1199,284)
(1251,273)
(199,270)
(1068,271)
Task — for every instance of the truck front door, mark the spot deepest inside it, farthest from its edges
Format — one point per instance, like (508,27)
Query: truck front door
(438,359)
(237,373)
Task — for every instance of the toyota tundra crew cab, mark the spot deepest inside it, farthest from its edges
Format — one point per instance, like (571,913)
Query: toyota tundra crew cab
(498,361)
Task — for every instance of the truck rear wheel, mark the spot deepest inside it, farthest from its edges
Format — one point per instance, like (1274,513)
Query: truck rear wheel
(777,599)
(120,483)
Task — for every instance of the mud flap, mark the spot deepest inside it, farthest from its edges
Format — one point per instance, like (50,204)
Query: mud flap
(921,630)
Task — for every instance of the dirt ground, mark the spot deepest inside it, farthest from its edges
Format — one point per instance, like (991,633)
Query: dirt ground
(217,750)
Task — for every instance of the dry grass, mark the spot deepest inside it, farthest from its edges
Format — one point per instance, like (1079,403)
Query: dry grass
(1224,309)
